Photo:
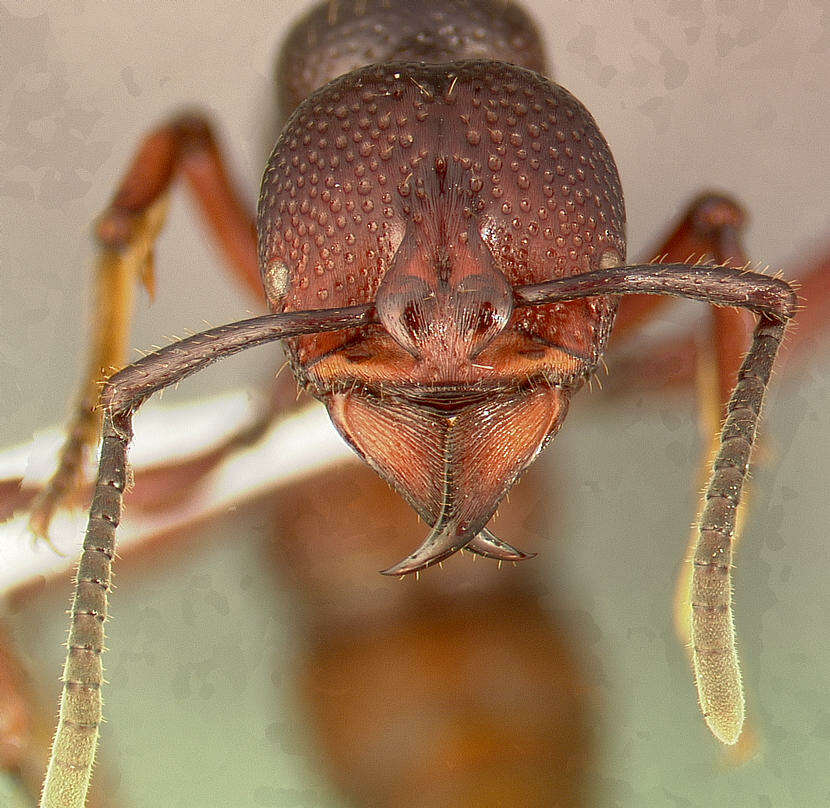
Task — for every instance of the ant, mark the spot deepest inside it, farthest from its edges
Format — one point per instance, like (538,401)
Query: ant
(438,172)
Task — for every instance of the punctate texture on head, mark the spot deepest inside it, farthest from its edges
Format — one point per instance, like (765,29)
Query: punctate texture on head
(429,185)
(485,158)
(342,35)
(431,190)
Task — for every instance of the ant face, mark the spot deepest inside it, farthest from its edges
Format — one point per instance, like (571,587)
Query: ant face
(431,191)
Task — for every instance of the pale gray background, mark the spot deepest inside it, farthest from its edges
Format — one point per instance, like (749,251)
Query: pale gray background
(727,95)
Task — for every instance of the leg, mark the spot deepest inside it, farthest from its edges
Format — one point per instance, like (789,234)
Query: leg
(188,146)
(126,234)
(17,709)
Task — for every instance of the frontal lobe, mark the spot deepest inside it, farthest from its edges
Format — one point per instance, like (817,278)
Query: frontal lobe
(358,161)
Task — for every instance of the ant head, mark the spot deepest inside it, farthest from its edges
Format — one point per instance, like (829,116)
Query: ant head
(439,171)
(430,191)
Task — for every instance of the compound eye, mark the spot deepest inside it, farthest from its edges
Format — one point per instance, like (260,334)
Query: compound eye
(276,280)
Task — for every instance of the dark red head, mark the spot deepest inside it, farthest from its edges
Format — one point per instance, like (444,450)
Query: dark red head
(433,190)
